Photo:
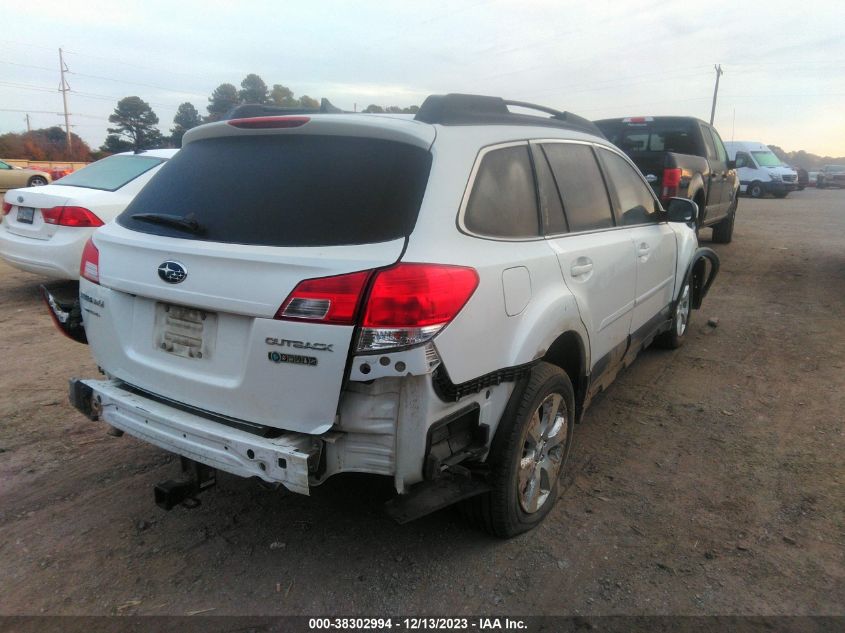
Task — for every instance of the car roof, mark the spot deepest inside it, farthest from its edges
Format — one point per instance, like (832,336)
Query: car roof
(489,117)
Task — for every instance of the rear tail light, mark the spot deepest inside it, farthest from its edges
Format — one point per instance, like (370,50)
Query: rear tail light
(406,305)
(7,207)
(326,299)
(269,122)
(89,266)
(670,184)
(71,216)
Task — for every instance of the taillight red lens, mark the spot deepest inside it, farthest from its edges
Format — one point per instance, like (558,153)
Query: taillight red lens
(7,206)
(71,216)
(406,305)
(670,184)
(326,299)
(269,122)
(89,266)
(671,177)
(418,295)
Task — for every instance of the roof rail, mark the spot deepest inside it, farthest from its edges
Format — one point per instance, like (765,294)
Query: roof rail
(465,109)
(252,110)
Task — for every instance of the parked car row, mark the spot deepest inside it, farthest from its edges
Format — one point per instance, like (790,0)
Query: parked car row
(12,177)
(435,299)
(45,228)
(682,156)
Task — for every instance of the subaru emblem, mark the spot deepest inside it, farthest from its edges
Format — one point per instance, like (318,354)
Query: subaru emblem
(172,272)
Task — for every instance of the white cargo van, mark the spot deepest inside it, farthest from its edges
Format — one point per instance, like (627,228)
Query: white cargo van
(760,171)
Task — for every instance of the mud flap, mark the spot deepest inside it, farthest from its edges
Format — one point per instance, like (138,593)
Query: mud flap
(67,316)
(430,496)
(702,275)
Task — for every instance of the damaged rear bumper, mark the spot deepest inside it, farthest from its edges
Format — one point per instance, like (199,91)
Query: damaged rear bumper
(284,459)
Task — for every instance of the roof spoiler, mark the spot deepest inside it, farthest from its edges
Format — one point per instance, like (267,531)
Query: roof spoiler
(252,110)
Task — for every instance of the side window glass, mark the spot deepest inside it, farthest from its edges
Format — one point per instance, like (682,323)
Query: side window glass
(503,202)
(554,222)
(708,143)
(585,202)
(4,165)
(720,147)
(742,160)
(636,203)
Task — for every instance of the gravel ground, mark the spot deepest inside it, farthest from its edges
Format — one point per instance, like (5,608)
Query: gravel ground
(707,480)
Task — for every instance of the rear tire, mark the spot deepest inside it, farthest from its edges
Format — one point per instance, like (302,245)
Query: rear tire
(528,455)
(676,335)
(723,231)
(755,190)
(36,181)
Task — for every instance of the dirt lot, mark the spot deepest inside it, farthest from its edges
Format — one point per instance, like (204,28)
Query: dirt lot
(708,480)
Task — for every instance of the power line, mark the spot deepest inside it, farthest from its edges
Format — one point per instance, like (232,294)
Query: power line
(138,83)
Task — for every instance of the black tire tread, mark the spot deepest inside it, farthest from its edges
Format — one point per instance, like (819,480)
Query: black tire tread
(488,511)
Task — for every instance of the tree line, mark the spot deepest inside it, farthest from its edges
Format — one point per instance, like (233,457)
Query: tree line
(135,121)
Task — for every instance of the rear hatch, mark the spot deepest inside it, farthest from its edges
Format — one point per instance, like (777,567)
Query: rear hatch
(189,312)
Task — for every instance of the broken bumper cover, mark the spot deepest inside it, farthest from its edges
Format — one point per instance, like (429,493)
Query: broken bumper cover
(284,459)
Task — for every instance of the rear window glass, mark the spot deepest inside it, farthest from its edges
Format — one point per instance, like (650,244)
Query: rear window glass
(503,202)
(112,173)
(287,190)
(657,136)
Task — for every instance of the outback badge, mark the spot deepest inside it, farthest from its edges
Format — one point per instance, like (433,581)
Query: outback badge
(172,272)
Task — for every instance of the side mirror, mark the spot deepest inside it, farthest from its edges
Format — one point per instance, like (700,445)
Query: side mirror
(731,164)
(681,210)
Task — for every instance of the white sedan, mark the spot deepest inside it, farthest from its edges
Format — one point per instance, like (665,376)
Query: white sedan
(44,229)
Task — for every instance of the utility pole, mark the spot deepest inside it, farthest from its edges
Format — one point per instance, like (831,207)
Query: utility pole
(64,89)
(28,126)
(718,68)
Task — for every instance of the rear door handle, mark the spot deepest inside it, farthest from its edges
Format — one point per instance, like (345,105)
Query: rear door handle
(643,249)
(578,270)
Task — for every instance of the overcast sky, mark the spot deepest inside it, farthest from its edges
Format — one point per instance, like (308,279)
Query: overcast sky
(783,62)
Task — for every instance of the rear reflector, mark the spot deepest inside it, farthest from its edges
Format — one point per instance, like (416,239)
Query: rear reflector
(326,299)
(269,122)
(7,206)
(89,266)
(71,216)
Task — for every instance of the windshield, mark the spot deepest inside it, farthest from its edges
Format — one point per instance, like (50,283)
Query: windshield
(285,190)
(766,159)
(838,169)
(112,173)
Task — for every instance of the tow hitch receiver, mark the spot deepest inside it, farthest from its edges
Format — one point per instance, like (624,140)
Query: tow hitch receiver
(200,477)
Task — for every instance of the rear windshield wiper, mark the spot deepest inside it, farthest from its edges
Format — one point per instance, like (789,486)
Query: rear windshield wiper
(186,223)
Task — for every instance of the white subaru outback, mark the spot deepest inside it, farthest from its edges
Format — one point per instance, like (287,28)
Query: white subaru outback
(432,299)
